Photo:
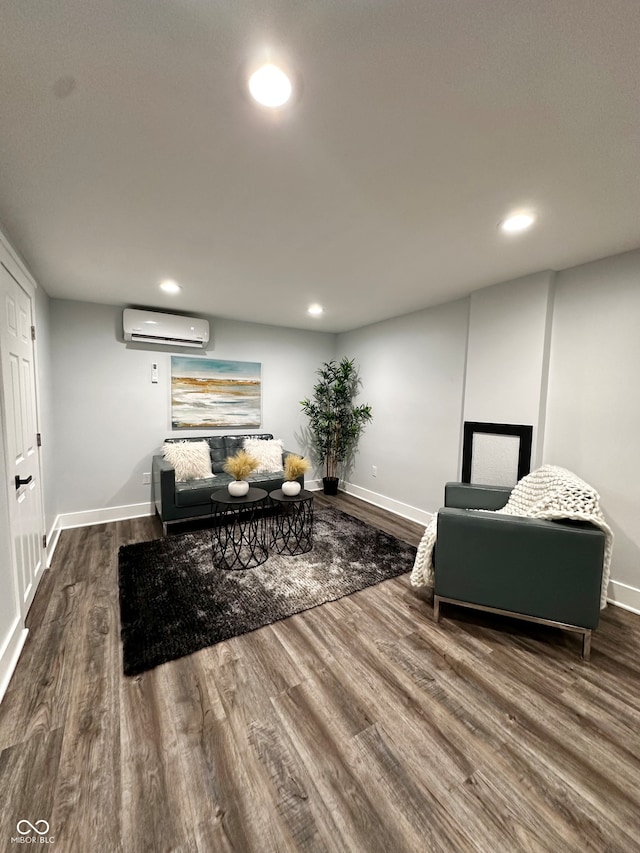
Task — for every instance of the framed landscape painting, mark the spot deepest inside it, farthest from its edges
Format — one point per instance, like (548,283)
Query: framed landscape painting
(210,393)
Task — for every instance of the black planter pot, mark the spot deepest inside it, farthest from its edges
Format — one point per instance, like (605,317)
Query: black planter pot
(330,485)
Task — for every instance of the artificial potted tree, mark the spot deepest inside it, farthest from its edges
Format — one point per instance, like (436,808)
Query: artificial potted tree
(335,422)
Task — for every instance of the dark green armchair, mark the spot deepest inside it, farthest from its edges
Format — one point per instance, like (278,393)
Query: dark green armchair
(548,572)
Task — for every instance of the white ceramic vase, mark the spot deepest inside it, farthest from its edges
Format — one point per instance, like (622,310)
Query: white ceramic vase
(291,488)
(238,488)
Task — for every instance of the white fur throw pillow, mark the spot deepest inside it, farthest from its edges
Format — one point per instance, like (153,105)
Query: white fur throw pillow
(191,459)
(268,452)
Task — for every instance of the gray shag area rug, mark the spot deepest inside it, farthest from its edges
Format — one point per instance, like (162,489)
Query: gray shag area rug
(173,601)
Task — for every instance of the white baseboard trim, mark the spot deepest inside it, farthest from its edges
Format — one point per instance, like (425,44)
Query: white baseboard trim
(623,595)
(68,520)
(421,516)
(52,540)
(10,653)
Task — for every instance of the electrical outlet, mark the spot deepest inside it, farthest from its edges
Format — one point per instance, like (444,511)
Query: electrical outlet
(146,479)
(374,470)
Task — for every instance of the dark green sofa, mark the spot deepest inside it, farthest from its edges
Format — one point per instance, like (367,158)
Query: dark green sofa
(543,571)
(192,499)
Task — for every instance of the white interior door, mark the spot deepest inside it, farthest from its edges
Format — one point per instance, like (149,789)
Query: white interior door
(19,411)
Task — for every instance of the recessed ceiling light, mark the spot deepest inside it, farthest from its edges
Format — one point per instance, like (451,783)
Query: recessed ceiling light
(315,310)
(270,86)
(170,286)
(517,222)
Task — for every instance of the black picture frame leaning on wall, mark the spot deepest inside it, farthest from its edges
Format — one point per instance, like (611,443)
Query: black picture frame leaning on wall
(522,431)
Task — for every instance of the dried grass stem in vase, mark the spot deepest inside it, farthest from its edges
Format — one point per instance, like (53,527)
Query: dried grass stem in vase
(295,466)
(241,465)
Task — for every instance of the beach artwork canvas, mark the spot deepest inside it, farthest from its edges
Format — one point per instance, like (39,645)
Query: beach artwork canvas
(210,393)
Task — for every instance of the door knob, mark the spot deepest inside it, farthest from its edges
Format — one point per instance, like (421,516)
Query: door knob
(20,482)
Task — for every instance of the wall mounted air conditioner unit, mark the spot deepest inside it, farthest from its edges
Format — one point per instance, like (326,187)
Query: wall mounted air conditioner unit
(170,329)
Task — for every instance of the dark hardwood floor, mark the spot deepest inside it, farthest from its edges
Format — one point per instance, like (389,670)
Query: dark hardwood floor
(357,726)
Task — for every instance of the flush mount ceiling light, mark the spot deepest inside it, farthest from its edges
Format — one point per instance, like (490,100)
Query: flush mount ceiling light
(315,310)
(517,222)
(170,286)
(270,86)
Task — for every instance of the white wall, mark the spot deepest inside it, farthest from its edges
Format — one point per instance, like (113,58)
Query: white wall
(110,419)
(594,404)
(412,370)
(507,360)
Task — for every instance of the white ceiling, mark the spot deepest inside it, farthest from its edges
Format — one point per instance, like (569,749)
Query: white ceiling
(129,151)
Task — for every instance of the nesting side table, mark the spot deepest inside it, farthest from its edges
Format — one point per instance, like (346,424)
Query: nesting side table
(239,533)
(292,522)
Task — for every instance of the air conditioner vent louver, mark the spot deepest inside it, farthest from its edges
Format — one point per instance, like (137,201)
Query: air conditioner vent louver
(169,329)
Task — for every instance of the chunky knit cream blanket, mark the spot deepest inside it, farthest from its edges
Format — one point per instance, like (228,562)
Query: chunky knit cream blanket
(549,492)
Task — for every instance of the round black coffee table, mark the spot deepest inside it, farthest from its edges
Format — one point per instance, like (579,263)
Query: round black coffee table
(239,533)
(292,523)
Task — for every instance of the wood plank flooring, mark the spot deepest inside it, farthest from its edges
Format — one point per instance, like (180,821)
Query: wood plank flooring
(357,726)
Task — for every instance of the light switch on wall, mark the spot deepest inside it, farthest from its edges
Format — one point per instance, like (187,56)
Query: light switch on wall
(154,372)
